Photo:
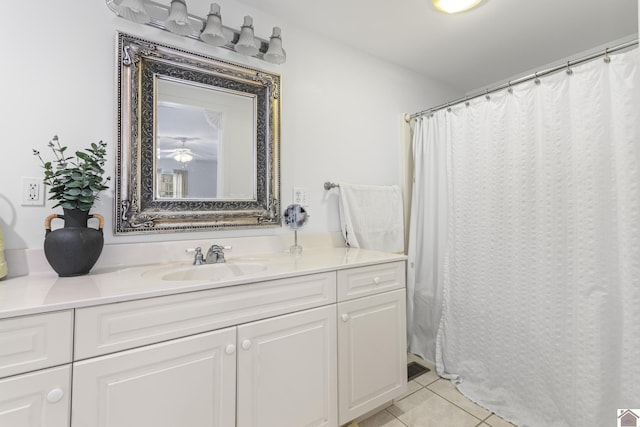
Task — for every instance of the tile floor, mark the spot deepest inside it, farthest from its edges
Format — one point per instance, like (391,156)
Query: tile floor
(431,401)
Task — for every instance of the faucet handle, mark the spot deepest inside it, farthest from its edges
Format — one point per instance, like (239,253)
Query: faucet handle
(198,258)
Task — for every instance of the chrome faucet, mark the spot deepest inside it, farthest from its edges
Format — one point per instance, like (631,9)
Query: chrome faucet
(215,254)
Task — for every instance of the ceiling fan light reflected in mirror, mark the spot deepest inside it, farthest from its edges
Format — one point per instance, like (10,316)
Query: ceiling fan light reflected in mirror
(183,156)
(455,6)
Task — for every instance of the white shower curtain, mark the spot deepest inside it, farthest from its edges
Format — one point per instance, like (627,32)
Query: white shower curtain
(427,235)
(540,279)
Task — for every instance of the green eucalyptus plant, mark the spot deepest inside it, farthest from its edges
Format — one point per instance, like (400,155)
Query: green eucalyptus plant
(75,181)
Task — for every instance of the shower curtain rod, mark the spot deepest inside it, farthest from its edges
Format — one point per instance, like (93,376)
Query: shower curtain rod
(568,65)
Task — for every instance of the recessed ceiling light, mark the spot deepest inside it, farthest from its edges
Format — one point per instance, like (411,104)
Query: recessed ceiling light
(455,6)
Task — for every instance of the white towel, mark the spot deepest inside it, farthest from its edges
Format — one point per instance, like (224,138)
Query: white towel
(371,217)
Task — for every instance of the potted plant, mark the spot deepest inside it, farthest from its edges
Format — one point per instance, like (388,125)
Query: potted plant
(74,183)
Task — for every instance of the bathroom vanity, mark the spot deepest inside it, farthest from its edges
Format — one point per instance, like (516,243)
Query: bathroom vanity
(273,340)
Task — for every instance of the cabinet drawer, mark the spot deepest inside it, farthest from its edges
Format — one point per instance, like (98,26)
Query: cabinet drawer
(363,281)
(34,342)
(114,327)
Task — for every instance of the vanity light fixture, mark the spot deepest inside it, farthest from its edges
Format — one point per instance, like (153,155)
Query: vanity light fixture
(276,53)
(176,19)
(213,33)
(133,10)
(247,42)
(455,6)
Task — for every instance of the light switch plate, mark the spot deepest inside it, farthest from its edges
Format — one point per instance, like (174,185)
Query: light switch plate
(300,196)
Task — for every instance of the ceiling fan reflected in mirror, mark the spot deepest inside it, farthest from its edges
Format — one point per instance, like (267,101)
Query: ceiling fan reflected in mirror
(182,153)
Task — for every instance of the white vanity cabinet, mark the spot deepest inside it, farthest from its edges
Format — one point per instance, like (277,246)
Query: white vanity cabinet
(284,369)
(317,343)
(35,370)
(287,370)
(372,350)
(183,382)
(263,368)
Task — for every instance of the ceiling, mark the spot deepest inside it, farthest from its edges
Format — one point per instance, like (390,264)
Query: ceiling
(496,41)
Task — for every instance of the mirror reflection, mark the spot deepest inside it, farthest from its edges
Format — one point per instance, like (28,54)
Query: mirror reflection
(205,142)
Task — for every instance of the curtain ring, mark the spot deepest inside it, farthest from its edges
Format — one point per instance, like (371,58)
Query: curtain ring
(466,101)
(487,94)
(606,58)
(510,90)
(449,108)
(537,80)
(569,70)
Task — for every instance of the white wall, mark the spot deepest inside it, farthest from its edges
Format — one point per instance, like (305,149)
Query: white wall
(341,112)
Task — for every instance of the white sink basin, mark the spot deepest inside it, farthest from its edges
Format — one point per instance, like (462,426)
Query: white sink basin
(214,271)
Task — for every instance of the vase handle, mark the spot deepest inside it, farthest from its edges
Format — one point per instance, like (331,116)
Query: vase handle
(47,222)
(100,219)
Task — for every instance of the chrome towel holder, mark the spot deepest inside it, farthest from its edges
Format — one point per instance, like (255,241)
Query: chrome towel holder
(329,185)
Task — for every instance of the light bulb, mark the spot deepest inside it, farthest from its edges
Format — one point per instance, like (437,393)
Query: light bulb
(183,156)
(275,54)
(133,10)
(213,33)
(247,43)
(178,20)
(455,6)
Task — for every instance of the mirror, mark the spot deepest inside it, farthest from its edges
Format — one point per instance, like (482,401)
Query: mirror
(295,216)
(198,141)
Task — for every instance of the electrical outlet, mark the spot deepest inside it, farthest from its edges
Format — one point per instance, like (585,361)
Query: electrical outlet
(32,192)
(300,196)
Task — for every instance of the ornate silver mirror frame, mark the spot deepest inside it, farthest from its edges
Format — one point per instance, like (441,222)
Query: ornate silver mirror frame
(138,209)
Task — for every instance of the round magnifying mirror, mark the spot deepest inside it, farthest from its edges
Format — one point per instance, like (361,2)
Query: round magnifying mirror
(295,216)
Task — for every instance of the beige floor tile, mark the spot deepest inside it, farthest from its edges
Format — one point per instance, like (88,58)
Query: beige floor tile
(412,387)
(381,419)
(446,389)
(428,378)
(426,409)
(496,421)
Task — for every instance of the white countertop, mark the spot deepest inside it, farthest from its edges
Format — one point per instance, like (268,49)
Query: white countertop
(38,293)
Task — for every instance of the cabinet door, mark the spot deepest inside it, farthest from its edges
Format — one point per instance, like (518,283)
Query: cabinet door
(38,399)
(372,352)
(287,370)
(183,382)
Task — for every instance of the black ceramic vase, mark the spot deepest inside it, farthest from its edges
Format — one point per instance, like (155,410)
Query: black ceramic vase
(74,249)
